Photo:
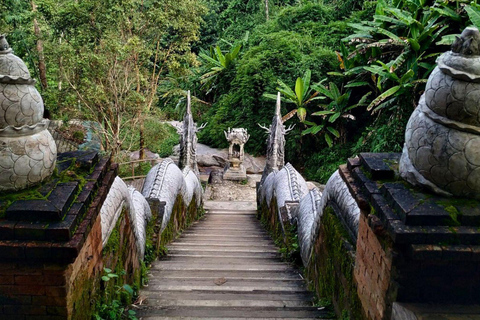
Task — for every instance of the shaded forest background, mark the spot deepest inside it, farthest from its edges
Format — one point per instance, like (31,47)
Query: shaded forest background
(350,72)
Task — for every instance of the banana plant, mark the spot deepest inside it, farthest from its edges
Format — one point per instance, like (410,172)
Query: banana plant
(301,95)
(216,62)
(403,34)
(331,113)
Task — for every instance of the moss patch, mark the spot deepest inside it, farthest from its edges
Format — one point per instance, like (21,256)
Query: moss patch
(330,272)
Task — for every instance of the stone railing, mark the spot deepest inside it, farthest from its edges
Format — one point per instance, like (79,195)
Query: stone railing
(326,225)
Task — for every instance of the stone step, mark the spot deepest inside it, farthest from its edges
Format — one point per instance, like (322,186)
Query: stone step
(223,253)
(210,318)
(259,295)
(234,312)
(222,288)
(226,267)
(240,284)
(224,244)
(210,260)
(228,274)
(240,242)
(219,268)
(214,250)
(230,213)
(245,235)
(226,228)
(224,225)
(183,302)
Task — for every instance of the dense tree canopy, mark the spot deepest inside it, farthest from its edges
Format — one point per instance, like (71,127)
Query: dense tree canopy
(120,61)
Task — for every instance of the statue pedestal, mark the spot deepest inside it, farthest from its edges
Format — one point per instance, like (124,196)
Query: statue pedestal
(235,170)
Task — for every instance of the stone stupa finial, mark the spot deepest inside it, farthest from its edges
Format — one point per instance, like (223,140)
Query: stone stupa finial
(27,149)
(189,103)
(4,46)
(188,139)
(275,141)
(442,138)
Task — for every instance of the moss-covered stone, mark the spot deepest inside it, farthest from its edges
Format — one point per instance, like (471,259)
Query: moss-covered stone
(330,272)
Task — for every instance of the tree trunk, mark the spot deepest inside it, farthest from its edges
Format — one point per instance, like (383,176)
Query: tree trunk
(141,154)
(266,9)
(42,69)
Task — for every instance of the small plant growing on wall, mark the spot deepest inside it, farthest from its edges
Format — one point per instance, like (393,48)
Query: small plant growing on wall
(113,306)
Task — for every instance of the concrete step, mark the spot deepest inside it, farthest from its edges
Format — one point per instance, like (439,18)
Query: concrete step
(234,312)
(227,274)
(182,302)
(210,318)
(225,228)
(218,268)
(225,244)
(225,267)
(220,260)
(224,253)
(239,236)
(258,295)
(252,242)
(216,250)
(239,284)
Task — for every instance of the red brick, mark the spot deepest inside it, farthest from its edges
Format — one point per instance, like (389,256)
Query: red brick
(55,280)
(55,291)
(49,301)
(25,309)
(6,279)
(57,311)
(22,290)
(35,280)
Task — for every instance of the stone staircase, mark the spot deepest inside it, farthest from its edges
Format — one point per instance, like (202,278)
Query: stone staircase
(226,267)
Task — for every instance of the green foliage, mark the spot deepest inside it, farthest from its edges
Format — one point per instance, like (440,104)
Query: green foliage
(160,137)
(215,62)
(319,166)
(115,309)
(395,52)
(301,97)
(280,55)
(333,113)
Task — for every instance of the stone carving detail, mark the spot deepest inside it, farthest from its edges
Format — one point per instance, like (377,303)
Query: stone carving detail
(193,187)
(112,207)
(188,139)
(140,215)
(27,150)
(275,142)
(442,139)
(122,197)
(234,169)
(164,182)
(289,185)
(307,213)
(336,192)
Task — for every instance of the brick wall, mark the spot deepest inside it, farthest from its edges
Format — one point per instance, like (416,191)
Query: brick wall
(372,273)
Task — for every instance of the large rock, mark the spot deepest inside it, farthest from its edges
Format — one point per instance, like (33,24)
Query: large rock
(211,157)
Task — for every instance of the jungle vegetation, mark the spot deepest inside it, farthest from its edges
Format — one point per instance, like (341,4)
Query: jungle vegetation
(350,72)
